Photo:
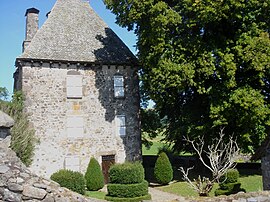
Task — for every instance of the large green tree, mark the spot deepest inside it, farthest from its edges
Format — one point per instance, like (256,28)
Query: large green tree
(205,63)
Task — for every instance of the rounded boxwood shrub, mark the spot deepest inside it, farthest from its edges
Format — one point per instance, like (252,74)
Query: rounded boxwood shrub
(231,176)
(94,176)
(163,171)
(70,179)
(134,199)
(128,190)
(126,173)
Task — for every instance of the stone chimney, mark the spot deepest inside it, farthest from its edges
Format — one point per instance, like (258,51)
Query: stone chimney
(31,26)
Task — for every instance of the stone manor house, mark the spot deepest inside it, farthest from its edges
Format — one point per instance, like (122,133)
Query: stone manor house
(82,90)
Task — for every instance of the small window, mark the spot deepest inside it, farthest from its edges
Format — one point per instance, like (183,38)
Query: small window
(72,163)
(119,90)
(75,127)
(121,125)
(74,86)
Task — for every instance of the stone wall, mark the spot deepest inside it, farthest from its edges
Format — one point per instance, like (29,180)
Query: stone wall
(44,86)
(18,184)
(4,132)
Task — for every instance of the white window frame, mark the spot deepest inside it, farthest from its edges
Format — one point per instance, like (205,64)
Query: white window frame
(120,121)
(74,86)
(118,84)
(75,126)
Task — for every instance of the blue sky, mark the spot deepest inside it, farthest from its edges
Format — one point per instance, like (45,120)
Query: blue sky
(12,31)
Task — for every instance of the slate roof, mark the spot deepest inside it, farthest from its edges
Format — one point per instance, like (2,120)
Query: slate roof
(74,32)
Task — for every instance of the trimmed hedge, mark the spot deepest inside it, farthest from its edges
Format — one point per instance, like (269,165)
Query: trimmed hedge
(230,177)
(163,169)
(135,199)
(128,190)
(229,183)
(94,176)
(126,173)
(219,192)
(230,186)
(70,179)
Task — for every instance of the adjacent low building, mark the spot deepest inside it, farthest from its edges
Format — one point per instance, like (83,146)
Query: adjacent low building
(6,122)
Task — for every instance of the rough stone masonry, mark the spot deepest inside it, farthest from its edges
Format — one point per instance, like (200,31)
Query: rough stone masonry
(18,184)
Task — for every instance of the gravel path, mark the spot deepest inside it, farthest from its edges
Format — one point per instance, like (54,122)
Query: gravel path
(161,196)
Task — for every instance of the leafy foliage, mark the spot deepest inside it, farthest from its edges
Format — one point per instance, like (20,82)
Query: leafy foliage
(231,176)
(23,138)
(151,125)
(205,64)
(126,173)
(3,93)
(163,169)
(70,179)
(94,176)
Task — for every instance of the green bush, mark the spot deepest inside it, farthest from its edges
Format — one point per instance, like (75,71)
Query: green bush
(128,190)
(70,179)
(230,177)
(94,176)
(233,189)
(135,199)
(23,137)
(229,183)
(126,173)
(163,169)
(230,186)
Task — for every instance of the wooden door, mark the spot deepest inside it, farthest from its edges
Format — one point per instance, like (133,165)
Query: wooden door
(107,161)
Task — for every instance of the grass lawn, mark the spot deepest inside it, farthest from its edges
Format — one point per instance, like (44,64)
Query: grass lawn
(95,194)
(154,149)
(251,183)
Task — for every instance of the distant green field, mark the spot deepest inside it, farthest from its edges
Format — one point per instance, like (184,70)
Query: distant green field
(154,149)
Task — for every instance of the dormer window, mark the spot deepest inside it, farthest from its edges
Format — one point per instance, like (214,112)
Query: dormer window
(118,83)
(74,84)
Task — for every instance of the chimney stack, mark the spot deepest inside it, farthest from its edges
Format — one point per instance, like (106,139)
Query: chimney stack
(31,26)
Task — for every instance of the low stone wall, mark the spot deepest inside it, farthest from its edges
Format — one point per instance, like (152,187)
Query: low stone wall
(18,184)
(263,196)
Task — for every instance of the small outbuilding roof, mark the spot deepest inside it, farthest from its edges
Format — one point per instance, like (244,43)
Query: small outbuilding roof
(74,32)
(5,120)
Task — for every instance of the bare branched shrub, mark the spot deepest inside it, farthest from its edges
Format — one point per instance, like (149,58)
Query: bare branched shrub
(221,157)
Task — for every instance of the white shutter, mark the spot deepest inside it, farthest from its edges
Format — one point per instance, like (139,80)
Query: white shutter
(72,163)
(74,86)
(75,127)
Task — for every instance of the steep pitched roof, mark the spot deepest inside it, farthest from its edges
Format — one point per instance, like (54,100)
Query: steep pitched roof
(74,32)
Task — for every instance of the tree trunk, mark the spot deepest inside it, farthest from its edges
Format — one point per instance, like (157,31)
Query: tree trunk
(266,171)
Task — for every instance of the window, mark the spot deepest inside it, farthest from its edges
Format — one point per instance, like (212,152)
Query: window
(119,90)
(72,163)
(121,125)
(75,126)
(74,85)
